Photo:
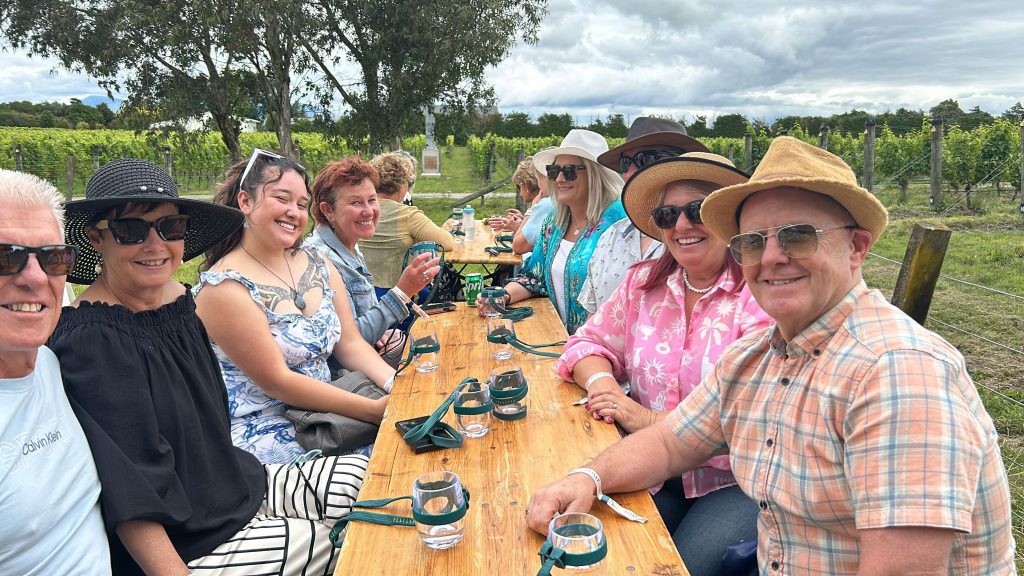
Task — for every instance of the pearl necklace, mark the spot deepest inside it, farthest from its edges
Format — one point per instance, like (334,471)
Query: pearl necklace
(691,288)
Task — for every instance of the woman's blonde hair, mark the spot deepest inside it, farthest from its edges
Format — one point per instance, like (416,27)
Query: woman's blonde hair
(605,187)
(526,174)
(394,169)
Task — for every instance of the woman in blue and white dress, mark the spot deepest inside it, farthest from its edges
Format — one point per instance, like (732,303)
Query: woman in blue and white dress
(276,312)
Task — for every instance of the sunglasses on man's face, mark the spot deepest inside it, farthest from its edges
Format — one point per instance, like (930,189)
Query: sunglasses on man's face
(644,157)
(666,216)
(54,259)
(134,230)
(795,241)
(569,171)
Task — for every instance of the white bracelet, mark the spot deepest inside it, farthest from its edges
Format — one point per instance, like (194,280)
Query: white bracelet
(401,295)
(595,377)
(615,506)
(593,476)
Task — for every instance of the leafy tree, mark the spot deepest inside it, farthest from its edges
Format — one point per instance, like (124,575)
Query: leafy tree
(976,117)
(553,124)
(851,122)
(615,126)
(516,125)
(949,111)
(597,125)
(82,114)
(106,113)
(902,121)
(730,125)
(1015,113)
(184,69)
(699,127)
(411,54)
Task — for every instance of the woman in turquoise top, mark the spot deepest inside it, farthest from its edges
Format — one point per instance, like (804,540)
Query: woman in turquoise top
(586,200)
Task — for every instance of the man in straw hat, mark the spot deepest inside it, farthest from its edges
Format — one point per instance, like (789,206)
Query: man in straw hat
(49,488)
(648,140)
(858,432)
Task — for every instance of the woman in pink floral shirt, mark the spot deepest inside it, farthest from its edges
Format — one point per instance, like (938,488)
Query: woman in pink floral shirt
(661,331)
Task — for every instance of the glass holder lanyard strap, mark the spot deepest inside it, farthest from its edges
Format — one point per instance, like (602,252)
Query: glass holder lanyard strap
(417,346)
(452,513)
(510,395)
(495,298)
(440,433)
(504,336)
(553,557)
(503,245)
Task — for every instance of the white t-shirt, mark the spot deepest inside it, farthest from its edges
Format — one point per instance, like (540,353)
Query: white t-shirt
(558,275)
(49,489)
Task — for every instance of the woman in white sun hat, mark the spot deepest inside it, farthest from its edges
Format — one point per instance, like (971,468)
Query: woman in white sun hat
(586,202)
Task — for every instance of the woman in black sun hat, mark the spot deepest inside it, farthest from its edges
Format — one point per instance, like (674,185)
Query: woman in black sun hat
(146,386)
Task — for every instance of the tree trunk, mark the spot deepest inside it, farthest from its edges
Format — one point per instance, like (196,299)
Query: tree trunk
(229,131)
(279,52)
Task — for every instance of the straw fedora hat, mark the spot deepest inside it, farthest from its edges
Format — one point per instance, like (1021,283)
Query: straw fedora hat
(793,163)
(643,191)
(131,180)
(651,132)
(577,142)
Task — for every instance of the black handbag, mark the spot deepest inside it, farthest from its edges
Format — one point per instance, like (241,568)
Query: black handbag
(335,434)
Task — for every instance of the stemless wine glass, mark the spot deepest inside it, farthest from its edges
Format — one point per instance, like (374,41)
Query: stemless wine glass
(426,349)
(506,381)
(421,248)
(577,533)
(473,410)
(492,301)
(437,498)
(499,331)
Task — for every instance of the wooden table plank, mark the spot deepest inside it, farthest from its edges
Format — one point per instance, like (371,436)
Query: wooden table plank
(501,470)
(472,251)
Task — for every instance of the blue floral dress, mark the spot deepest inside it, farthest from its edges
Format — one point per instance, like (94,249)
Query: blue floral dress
(258,423)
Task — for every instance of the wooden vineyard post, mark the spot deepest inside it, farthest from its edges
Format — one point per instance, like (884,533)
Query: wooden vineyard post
(869,155)
(19,161)
(1021,189)
(922,263)
(936,189)
(95,157)
(823,137)
(168,166)
(71,178)
(748,151)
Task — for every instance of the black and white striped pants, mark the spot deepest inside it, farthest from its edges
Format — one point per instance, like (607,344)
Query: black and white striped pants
(289,535)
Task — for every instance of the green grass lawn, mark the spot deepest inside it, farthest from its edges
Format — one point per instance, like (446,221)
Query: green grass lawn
(986,248)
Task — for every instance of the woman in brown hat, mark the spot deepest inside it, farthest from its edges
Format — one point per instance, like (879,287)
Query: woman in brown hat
(661,331)
(145,384)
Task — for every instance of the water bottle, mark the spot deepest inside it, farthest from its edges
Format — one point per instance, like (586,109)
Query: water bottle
(469,222)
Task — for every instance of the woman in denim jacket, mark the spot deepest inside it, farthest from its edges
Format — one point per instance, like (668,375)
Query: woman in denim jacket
(345,208)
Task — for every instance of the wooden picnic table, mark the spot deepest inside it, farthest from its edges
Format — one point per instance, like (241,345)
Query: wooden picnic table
(501,470)
(472,251)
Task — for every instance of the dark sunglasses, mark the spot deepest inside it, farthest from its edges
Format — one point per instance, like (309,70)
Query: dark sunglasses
(645,157)
(134,230)
(665,217)
(54,259)
(795,241)
(569,171)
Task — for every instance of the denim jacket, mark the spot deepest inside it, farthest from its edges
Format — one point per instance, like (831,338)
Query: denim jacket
(372,316)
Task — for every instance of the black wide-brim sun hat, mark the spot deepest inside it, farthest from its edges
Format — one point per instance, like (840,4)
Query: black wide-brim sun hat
(132,180)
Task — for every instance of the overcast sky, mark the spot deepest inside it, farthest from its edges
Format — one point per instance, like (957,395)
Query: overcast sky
(762,58)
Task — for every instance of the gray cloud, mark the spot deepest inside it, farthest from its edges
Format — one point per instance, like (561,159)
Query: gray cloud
(762,58)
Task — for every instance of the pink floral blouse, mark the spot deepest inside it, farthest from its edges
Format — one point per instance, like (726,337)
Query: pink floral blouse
(645,337)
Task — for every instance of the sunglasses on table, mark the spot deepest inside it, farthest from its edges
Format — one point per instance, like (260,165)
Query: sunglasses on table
(134,230)
(54,259)
(569,171)
(645,157)
(256,153)
(795,240)
(665,216)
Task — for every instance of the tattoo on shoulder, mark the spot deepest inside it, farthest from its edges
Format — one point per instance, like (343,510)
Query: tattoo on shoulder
(271,296)
(311,277)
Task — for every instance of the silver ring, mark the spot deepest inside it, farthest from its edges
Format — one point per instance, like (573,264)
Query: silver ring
(615,406)
(425,277)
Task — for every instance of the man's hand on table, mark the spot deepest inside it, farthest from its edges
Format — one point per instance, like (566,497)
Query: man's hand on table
(574,493)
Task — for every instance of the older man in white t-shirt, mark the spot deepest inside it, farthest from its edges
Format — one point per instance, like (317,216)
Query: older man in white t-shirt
(49,491)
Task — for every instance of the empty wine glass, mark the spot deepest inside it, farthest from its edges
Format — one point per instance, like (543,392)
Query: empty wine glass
(426,349)
(500,331)
(439,506)
(577,533)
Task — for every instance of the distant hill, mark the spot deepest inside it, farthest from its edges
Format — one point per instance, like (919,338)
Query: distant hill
(114,104)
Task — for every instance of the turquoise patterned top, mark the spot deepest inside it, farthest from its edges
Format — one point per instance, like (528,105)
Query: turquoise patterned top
(258,423)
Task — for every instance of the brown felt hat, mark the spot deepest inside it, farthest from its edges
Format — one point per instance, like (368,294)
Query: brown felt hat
(647,131)
(643,191)
(793,163)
